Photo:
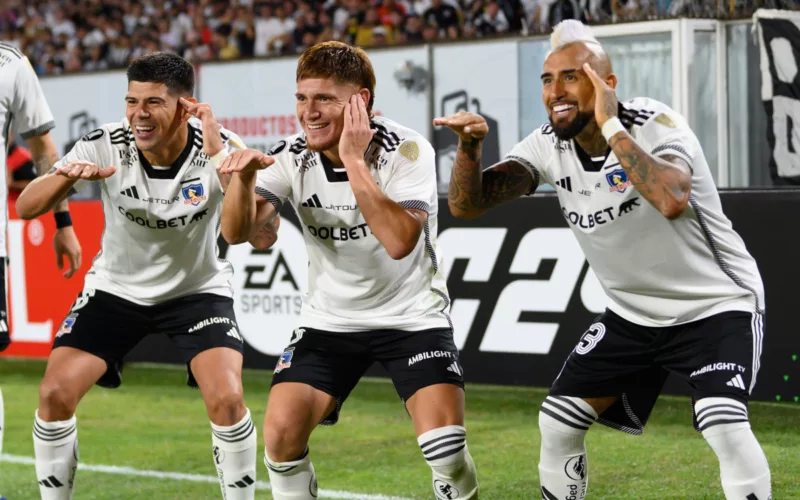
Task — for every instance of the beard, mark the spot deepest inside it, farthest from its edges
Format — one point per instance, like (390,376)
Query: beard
(575,127)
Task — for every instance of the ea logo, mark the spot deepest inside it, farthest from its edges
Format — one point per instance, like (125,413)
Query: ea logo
(268,286)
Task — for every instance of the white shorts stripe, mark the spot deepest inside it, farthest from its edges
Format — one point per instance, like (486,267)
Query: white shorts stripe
(757,326)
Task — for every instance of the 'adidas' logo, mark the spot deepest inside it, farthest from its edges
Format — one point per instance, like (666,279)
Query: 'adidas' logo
(455,369)
(51,482)
(736,382)
(243,483)
(312,202)
(565,183)
(130,192)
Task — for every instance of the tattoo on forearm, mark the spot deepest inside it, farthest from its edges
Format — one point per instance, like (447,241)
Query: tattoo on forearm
(472,189)
(44,164)
(660,179)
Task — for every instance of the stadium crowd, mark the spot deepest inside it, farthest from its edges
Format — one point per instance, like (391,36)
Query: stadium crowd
(63,36)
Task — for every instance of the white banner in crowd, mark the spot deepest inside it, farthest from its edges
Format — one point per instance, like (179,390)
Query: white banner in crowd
(255,99)
(489,85)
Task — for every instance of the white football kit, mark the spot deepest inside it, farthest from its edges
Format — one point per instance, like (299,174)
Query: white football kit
(21,101)
(353,283)
(655,271)
(161,222)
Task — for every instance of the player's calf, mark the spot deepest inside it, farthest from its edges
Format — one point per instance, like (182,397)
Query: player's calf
(445,450)
(234,449)
(55,445)
(563,468)
(293,479)
(743,467)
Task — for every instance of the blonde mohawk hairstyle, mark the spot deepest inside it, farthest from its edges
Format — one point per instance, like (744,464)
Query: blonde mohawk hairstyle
(572,31)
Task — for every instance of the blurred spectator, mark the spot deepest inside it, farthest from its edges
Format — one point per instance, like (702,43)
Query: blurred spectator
(492,22)
(271,27)
(442,15)
(413,29)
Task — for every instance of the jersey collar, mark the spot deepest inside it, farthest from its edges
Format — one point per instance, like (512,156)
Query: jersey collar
(173,170)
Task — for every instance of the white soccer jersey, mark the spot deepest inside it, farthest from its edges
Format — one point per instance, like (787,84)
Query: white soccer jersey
(23,103)
(655,271)
(161,223)
(353,283)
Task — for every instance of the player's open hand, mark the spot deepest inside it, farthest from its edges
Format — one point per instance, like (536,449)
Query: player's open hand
(68,248)
(212,141)
(78,170)
(468,126)
(245,161)
(605,97)
(357,133)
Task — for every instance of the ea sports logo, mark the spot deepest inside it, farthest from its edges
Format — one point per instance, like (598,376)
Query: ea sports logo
(445,490)
(268,286)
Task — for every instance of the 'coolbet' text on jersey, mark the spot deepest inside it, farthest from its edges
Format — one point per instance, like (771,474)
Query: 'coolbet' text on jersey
(655,271)
(161,223)
(353,283)
(21,101)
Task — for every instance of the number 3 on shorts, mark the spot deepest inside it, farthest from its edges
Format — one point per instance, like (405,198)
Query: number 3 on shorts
(591,338)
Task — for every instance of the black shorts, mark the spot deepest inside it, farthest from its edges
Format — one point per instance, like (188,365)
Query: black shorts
(718,356)
(109,327)
(334,362)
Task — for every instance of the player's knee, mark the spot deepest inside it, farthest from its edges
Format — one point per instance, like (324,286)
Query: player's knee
(563,423)
(226,407)
(445,450)
(283,438)
(56,400)
(723,422)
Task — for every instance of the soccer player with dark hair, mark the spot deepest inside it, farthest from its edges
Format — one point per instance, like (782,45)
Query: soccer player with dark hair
(364,188)
(157,271)
(685,296)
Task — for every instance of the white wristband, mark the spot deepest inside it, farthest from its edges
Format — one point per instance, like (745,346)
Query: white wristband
(612,127)
(219,157)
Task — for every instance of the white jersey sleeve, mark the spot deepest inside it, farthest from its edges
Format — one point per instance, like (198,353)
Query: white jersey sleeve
(32,115)
(413,180)
(274,183)
(668,133)
(533,153)
(92,148)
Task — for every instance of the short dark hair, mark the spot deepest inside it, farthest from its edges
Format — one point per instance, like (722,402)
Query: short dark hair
(164,67)
(340,62)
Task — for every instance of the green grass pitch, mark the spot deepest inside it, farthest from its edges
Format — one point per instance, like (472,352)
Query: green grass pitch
(155,423)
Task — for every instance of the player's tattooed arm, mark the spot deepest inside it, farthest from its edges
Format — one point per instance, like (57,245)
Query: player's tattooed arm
(44,156)
(664,181)
(472,191)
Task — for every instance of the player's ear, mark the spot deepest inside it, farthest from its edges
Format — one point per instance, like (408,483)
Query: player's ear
(611,80)
(364,94)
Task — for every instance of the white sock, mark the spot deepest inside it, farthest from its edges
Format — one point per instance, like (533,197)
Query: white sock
(743,467)
(563,467)
(234,449)
(454,474)
(2,422)
(293,480)
(55,445)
